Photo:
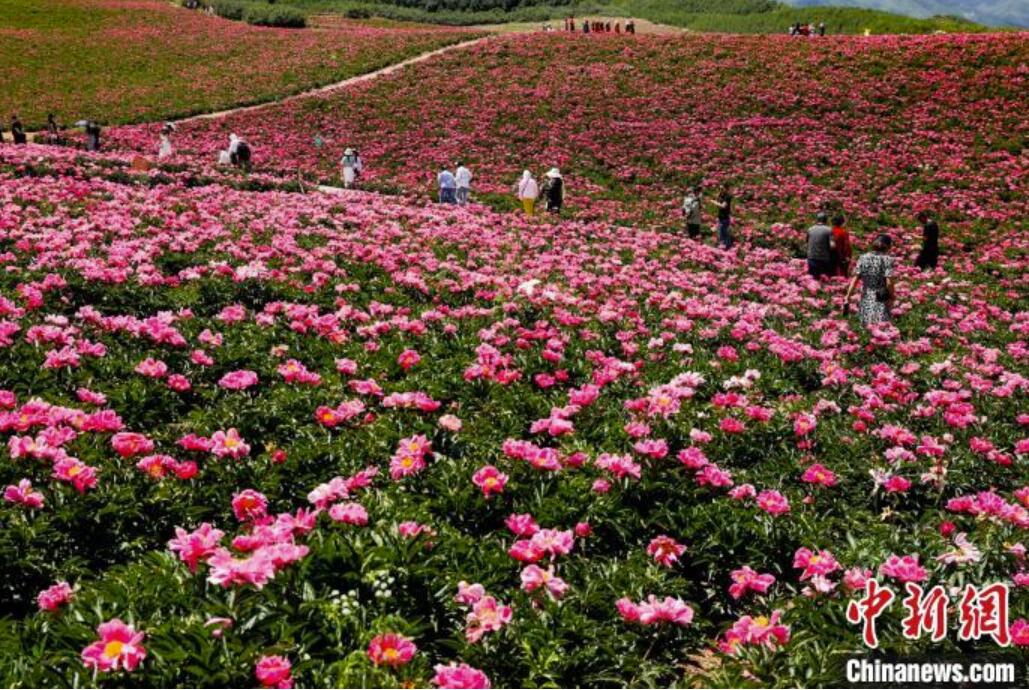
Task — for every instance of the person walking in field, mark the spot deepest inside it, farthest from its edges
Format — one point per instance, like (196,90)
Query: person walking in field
(18,130)
(874,271)
(724,205)
(447,187)
(554,191)
(165,149)
(527,190)
(53,131)
(820,247)
(351,166)
(929,255)
(463,177)
(843,251)
(92,135)
(691,211)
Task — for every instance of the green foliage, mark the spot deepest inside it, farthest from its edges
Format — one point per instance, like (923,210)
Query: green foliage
(274,15)
(229,9)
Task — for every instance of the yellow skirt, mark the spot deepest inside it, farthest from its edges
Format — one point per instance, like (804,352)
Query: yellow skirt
(528,205)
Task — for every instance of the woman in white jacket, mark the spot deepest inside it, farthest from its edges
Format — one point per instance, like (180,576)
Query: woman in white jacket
(528,191)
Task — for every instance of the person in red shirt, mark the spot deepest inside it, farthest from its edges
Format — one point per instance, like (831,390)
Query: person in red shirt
(843,251)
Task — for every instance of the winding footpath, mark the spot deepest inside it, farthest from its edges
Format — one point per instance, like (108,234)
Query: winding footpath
(38,136)
(367,76)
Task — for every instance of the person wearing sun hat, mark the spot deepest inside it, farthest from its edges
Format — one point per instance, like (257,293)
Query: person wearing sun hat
(554,190)
(351,164)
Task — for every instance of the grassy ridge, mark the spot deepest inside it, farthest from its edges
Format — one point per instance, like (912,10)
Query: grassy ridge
(117,62)
(733,16)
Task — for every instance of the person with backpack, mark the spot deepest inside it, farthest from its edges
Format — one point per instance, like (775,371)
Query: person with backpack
(351,165)
(554,191)
(691,211)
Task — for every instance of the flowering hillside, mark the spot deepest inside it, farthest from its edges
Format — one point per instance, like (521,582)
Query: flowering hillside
(120,61)
(878,127)
(266,438)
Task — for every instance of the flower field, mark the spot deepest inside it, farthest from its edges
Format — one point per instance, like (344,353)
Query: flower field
(119,61)
(790,124)
(259,435)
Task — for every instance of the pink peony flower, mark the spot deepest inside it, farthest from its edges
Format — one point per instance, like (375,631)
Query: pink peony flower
(469,594)
(274,672)
(238,380)
(22,494)
(229,444)
(51,598)
(773,502)
(249,505)
(486,616)
(408,359)
(391,649)
(460,676)
(665,550)
(535,577)
(819,474)
(349,513)
(654,611)
(197,545)
(746,579)
(128,444)
(490,480)
(450,423)
(903,568)
(821,563)
(119,648)
(522,525)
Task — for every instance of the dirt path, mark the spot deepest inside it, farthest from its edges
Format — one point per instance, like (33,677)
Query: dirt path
(389,69)
(421,57)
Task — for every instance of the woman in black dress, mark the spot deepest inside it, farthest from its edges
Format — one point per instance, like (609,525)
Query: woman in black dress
(930,252)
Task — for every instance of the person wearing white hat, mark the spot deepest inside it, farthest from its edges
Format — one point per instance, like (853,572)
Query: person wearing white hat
(528,190)
(351,163)
(554,191)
